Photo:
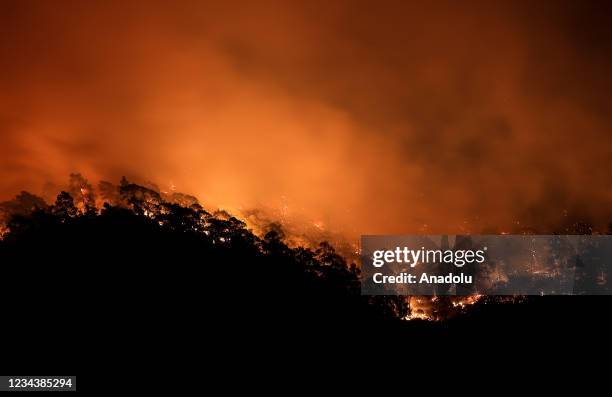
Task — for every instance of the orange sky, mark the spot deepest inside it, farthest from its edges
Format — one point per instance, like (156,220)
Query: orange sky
(372,117)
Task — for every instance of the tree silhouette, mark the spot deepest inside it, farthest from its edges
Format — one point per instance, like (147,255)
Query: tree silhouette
(64,207)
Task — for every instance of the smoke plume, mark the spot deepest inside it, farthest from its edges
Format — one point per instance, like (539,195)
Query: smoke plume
(371,117)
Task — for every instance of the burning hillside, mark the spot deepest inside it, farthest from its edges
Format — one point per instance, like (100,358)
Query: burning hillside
(235,156)
(177,212)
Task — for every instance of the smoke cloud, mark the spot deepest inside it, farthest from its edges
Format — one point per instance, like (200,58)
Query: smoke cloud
(370,117)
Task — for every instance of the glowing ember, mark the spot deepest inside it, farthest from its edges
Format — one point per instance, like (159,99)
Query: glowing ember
(437,308)
(466,301)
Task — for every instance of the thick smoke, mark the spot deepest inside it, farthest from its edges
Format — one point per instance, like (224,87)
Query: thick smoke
(364,116)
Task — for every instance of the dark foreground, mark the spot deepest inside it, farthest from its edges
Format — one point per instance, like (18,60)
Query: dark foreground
(145,287)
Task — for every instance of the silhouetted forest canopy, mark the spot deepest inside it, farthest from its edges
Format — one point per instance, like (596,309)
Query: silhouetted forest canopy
(135,257)
(134,242)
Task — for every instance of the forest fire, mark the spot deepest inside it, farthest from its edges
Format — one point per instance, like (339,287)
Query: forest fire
(158,206)
(251,107)
(469,300)
(300,176)
(442,308)
(436,308)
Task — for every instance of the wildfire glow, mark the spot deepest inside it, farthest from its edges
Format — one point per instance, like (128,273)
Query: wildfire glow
(428,308)
(395,121)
